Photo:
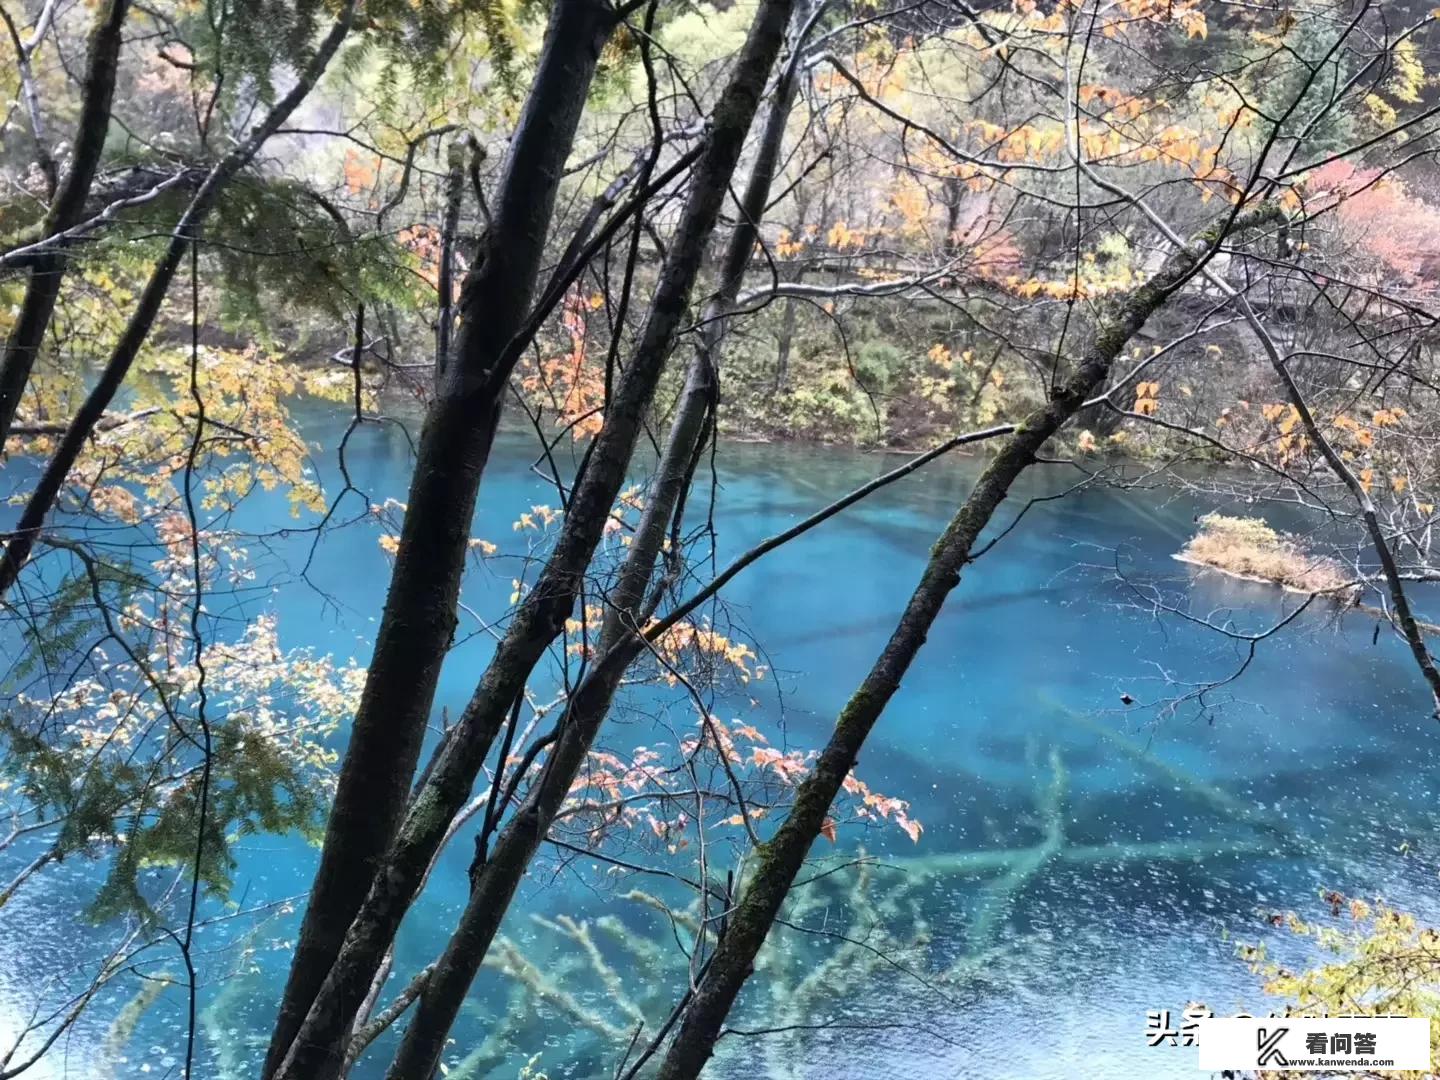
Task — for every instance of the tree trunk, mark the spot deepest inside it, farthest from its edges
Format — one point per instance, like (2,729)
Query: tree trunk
(541,617)
(419,617)
(137,328)
(786,336)
(494,883)
(67,211)
(444,286)
(778,860)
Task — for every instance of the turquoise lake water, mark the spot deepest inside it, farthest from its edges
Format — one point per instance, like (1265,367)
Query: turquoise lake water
(1179,831)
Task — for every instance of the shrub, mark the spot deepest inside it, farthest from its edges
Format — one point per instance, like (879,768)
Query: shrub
(1248,547)
(877,364)
(1373,961)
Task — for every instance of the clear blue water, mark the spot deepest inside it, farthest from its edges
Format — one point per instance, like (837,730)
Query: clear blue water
(1309,772)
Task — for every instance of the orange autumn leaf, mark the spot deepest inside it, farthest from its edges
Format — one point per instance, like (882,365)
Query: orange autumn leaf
(360,172)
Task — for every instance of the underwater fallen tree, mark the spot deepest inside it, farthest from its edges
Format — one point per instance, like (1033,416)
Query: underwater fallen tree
(877,902)
(778,861)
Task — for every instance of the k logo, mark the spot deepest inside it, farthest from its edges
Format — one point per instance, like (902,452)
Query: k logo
(1269,1046)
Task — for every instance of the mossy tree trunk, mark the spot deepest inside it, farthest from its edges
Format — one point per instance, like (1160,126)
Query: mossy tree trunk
(779,859)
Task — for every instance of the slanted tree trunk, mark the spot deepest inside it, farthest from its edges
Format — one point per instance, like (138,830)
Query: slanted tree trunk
(541,617)
(67,211)
(419,616)
(778,860)
(493,883)
(137,328)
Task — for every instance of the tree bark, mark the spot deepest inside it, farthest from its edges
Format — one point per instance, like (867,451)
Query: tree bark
(419,616)
(43,288)
(137,328)
(494,883)
(786,337)
(778,860)
(444,286)
(541,617)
